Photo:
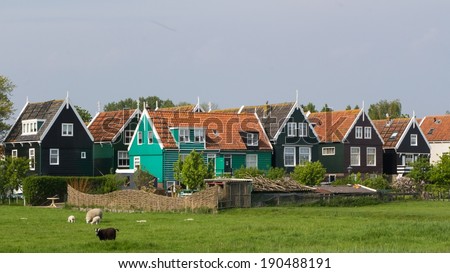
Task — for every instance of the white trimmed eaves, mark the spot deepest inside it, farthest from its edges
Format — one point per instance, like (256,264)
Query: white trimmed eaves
(285,120)
(125,124)
(262,129)
(17,119)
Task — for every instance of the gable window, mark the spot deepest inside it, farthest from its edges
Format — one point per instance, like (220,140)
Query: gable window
(199,135)
(32,158)
(139,139)
(83,155)
(184,135)
(123,160)
(304,155)
(14,153)
(252,139)
(251,161)
(413,139)
(367,132)
(328,151)
(289,156)
(355,156)
(302,129)
(358,132)
(137,162)
(292,129)
(67,129)
(54,156)
(371,156)
(150,137)
(127,135)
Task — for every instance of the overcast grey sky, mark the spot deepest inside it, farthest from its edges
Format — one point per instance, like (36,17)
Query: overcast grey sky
(339,52)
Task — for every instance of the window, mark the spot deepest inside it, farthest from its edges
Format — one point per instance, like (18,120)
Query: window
(304,155)
(292,129)
(127,135)
(302,129)
(183,156)
(150,137)
(413,140)
(354,156)
(371,156)
(211,159)
(393,136)
(31,126)
(123,160)
(359,132)
(408,159)
(328,151)
(252,139)
(83,155)
(67,129)
(14,153)
(139,139)
(367,132)
(199,135)
(137,162)
(54,156)
(251,161)
(184,135)
(289,156)
(32,158)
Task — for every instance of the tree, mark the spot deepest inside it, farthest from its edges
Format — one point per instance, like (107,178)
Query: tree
(193,171)
(130,103)
(440,172)
(84,114)
(12,173)
(309,107)
(420,170)
(382,108)
(6,105)
(325,108)
(311,174)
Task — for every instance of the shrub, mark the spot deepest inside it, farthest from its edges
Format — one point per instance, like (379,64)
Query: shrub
(275,173)
(378,182)
(247,172)
(36,189)
(311,174)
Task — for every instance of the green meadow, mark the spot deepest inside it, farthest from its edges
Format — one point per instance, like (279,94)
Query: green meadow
(396,227)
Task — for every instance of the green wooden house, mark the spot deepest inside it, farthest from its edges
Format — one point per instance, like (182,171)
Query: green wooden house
(112,132)
(231,141)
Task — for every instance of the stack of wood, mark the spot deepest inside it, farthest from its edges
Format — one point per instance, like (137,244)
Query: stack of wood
(286,184)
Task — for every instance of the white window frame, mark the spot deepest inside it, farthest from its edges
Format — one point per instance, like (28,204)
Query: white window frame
(140,139)
(30,126)
(149,137)
(358,132)
(251,161)
(67,129)
(355,153)
(14,153)
(371,154)
(199,135)
(184,135)
(54,157)
(127,136)
(137,162)
(368,132)
(83,155)
(328,151)
(123,157)
(252,139)
(301,153)
(302,129)
(414,140)
(291,153)
(32,158)
(291,129)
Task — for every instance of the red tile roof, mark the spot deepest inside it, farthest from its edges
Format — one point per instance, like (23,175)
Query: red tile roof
(222,130)
(107,125)
(333,126)
(436,128)
(391,130)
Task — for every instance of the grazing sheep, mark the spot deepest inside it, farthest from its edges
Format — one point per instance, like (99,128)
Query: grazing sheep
(92,213)
(106,233)
(71,219)
(95,220)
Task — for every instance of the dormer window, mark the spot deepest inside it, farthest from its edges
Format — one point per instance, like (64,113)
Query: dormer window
(184,135)
(31,126)
(252,139)
(199,135)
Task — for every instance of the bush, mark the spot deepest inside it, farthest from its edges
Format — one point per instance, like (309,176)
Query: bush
(378,182)
(311,174)
(275,173)
(248,172)
(36,189)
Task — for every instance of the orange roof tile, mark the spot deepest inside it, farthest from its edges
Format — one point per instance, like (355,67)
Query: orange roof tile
(222,130)
(391,130)
(107,125)
(436,128)
(333,126)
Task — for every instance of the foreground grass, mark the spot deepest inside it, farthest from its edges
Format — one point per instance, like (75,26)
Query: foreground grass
(394,227)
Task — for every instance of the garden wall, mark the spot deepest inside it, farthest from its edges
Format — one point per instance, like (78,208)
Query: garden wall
(127,200)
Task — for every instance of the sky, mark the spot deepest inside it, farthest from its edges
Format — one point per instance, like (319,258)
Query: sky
(231,53)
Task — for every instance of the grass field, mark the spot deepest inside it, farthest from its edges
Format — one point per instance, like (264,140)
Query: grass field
(398,227)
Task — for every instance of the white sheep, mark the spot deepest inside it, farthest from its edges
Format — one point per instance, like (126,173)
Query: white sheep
(95,220)
(71,219)
(92,213)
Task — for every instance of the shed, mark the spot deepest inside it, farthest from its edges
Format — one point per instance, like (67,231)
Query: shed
(235,193)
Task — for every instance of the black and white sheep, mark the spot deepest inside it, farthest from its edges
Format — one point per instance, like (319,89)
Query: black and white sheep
(106,233)
(92,213)
(95,220)
(71,219)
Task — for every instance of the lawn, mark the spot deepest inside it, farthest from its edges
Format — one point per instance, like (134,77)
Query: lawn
(397,227)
